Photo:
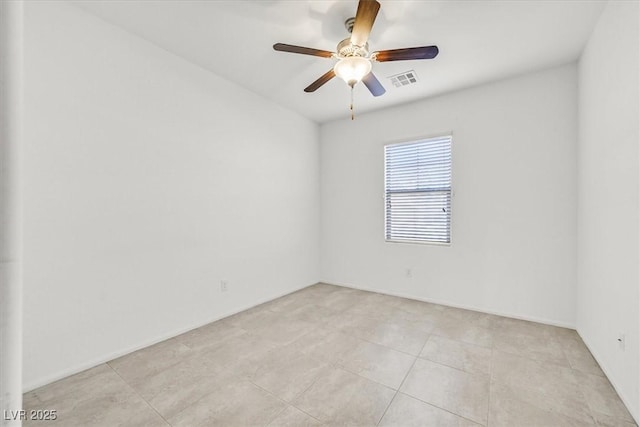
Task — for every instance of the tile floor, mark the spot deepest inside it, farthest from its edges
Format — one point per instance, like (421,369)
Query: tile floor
(337,356)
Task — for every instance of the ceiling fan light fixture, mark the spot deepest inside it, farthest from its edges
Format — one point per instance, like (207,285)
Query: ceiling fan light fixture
(352,69)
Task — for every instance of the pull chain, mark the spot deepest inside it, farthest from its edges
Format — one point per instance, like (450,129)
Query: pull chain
(351,106)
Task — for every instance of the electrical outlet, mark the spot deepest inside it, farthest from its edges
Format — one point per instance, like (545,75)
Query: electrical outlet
(224,286)
(622,341)
(408,272)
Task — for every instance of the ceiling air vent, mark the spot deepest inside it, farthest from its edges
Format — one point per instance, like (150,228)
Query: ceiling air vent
(404,79)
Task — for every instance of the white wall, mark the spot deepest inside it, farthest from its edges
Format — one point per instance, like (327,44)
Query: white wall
(513,210)
(11,29)
(608,215)
(147,181)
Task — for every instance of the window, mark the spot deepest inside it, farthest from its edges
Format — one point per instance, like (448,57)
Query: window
(418,191)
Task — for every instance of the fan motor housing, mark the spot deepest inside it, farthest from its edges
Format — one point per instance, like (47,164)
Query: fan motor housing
(345,49)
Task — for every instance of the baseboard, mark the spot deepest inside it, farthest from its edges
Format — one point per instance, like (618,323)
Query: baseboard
(455,305)
(114,355)
(606,371)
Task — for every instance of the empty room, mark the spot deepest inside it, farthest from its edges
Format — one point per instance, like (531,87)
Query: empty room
(305,213)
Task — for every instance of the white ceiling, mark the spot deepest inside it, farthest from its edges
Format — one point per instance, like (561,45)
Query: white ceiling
(479,41)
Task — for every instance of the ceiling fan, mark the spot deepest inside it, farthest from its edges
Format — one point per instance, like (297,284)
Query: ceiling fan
(354,60)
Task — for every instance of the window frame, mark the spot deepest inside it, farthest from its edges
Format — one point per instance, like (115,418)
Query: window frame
(384,194)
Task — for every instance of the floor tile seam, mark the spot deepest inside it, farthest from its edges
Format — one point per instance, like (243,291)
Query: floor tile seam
(300,394)
(489,375)
(443,409)
(616,417)
(193,353)
(465,372)
(331,361)
(592,411)
(234,376)
(139,395)
(337,310)
(562,349)
(293,404)
(388,347)
(454,367)
(403,380)
(538,361)
(506,339)
(464,342)
(205,396)
(407,317)
(304,412)
(542,408)
(497,381)
(277,415)
(205,349)
(287,404)
(339,366)
(225,367)
(397,391)
(583,371)
(199,352)
(571,365)
(61,380)
(381,345)
(327,365)
(270,343)
(574,357)
(251,380)
(428,337)
(387,408)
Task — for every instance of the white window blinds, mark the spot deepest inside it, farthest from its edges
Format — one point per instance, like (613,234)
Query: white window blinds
(418,191)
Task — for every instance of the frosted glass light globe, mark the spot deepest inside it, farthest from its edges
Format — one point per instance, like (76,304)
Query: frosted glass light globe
(352,69)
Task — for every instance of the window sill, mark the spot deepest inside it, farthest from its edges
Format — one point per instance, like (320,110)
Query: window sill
(418,242)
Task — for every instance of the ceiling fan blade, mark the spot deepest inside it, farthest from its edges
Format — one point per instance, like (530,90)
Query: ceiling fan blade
(373,84)
(322,80)
(423,52)
(303,50)
(365,16)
